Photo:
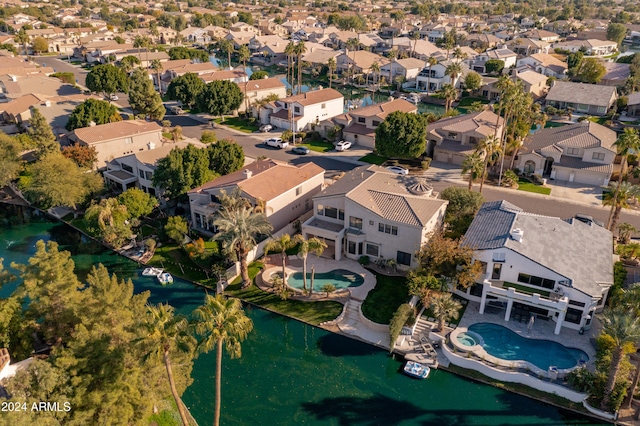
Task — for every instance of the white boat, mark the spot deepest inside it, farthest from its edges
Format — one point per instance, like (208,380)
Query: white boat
(165,278)
(417,370)
(152,272)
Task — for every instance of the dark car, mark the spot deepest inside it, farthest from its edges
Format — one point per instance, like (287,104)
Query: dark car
(588,220)
(300,150)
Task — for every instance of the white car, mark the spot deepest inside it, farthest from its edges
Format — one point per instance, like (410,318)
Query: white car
(399,170)
(113,97)
(276,143)
(266,128)
(343,145)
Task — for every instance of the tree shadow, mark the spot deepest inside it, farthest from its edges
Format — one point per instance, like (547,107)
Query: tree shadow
(335,345)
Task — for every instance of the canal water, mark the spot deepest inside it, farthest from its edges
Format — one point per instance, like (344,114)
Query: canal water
(291,373)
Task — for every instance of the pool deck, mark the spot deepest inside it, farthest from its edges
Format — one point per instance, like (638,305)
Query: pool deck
(541,330)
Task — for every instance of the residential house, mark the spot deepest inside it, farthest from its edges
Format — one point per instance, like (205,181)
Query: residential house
(19,110)
(563,27)
(580,153)
(436,77)
(359,62)
(532,82)
(591,47)
(374,213)
(505,55)
(177,68)
(554,269)
(282,191)
(542,35)
(300,112)
(145,57)
(421,49)
(633,104)
(526,46)
(238,76)
(450,140)
(592,99)
(407,68)
(320,55)
(545,64)
(359,125)
(215,32)
(114,140)
(196,35)
(256,90)
(15,86)
(616,74)
(270,27)
(482,41)
(268,49)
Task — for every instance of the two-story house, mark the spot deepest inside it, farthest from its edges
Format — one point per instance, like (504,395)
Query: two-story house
(592,99)
(554,269)
(544,64)
(581,153)
(450,140)
(282,191)
(114,140)
(359,125)
(372,212)
(408,68)
(503,54)
(431,79)
(256,90)
(302,111)
(359,62)
(591,47)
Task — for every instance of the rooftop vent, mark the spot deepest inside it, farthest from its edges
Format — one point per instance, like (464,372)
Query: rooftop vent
(517,234)
(151,145)
(247,173)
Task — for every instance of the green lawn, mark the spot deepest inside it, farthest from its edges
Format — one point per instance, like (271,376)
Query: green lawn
(384,299)
(525,289)
(167,135)
(528,186)
(318,145)
(238,123)
(171,257)
(466,102)
(309,312)
(373,159)
(599,120)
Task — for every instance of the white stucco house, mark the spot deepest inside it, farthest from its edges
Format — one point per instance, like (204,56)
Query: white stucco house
(554,269)
(581,153)
(431,79)
(373,212)
(300,112)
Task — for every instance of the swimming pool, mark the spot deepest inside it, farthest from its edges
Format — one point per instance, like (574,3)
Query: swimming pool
(503,343)
(341,278)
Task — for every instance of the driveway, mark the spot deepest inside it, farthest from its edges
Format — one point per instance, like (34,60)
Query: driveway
(63,66)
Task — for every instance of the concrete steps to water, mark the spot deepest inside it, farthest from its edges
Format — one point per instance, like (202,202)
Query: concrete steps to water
(351,318)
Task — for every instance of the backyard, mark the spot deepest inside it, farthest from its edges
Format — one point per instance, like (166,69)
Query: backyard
(381,302)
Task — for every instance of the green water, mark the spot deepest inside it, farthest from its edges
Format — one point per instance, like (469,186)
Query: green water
(291,373)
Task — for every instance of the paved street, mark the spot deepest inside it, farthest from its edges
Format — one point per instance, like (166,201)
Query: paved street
(63,66)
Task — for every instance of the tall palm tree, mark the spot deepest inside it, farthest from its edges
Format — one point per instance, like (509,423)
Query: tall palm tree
(281,244)
(139,42)
(430,62)
(352,46)
(623,328)
(300,50)
(167,332)
(453,70)
(474,165)
(332,66)
(415,36)
(617,196)
(312,245)
(627,144)
(226,46)
(156,66)
(488,148)
(392,55)
(238,230)
(290,51)
(375,69)
(449,93)
(445,307)
(459,54)
(221,322)
(624,232)
(244,54)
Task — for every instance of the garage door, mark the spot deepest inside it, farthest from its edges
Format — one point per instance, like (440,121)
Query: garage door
(562,174)
(458,159)
(589,178)
(442,157)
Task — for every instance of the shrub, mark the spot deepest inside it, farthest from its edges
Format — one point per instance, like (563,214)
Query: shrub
(65,77)
(208,136)
(328,288)
(424,164)
(364,260)
(287,135)
(400,317)
(150,244)
(301,135)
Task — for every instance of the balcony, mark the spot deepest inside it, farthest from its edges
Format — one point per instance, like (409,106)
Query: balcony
(524,294)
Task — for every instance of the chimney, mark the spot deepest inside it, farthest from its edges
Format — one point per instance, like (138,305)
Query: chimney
(47,103)
(151,145)
(517,234)
(247,174)
(92,124)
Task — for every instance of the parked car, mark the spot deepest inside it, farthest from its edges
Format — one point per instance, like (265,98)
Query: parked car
(177,110)
(300,150)
(343,145)
(266,128)
(113,97)
(276,143)
(399,170)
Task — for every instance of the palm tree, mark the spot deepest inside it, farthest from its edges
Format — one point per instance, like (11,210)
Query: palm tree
(260,103)
(332,66)
(167,333)
(238,230)
(449,93)
(430,62)
(352,45)
(226,46)
(624,232)
(488,148)
(156,66)
(617,196)
(244,54)
(459,54)
(623,328)
(627,144)
(142,41)
(393,54)
(312,245)
(445,307)
(375,69)
(415,36)
(474,165)
(176,134)
(453,70)
(281,244)
(290,50)
(22,38)
(221,322)
(300,50)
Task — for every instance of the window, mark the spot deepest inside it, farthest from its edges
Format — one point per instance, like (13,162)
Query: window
(498,257)
(362,120)
(299,190)
(323,106)
(573,151)
(537,281)
(127,168)
(370,223)
(320,209)
(373,250)
(331,212)
(375,123)
(497,270)
(388,229)
(128,140)
(296,109)
(403,258)
(483,265)
(573,316)
(576,303)
(141,173)
(351,247)
(341,214)
(148,175)
(355,222)
(598,156)
(453,135)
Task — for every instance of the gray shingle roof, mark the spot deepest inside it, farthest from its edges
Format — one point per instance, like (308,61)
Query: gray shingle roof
(581,253)
(580,93)
(586,134)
